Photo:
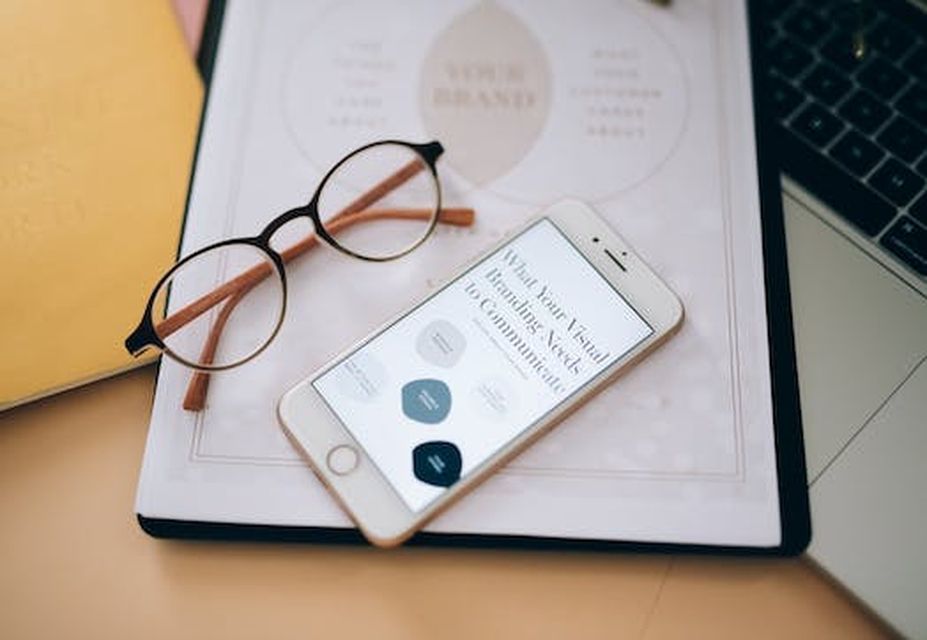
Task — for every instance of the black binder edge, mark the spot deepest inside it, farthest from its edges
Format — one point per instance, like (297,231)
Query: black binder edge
(794,513)
(794,510)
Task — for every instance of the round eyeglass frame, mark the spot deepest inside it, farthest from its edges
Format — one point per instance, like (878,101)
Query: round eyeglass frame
(145,335)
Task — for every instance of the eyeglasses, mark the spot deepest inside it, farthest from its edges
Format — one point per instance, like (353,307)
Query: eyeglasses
(378,203)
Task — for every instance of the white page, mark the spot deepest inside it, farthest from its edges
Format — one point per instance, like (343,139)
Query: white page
(642,111)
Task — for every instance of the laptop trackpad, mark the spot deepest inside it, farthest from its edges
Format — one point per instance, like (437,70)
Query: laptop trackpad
(868,510)
(859,332)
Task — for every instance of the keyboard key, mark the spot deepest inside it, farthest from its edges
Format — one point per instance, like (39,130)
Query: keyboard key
(839,49)
(767,35)
(774,8)
(913,103)
(806,26)
(865,111)
(882,78)
(908,240)
(919,209)
(916,63)
(891,39)
(823,177)
(789,57)
(903,138)
(817,125)
(826,84)
(896,182)
(823,67)
(785,98)
(856,153)
(849,15)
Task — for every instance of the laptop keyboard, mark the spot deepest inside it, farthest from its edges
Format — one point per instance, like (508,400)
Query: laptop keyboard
(848,82)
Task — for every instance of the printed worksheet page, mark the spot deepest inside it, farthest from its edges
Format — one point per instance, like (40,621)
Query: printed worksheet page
(640,110)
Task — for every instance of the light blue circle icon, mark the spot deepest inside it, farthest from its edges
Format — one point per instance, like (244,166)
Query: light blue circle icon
(426,400)
(441,344)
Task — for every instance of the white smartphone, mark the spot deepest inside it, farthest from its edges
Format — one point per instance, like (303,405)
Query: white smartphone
(406,421)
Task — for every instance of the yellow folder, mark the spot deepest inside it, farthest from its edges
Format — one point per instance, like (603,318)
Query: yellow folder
(99,104)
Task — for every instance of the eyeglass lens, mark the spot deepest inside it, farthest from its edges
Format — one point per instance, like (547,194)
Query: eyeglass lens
(379,202)
(233,291)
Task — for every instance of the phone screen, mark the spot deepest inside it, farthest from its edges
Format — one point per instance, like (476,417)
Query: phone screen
(439,391)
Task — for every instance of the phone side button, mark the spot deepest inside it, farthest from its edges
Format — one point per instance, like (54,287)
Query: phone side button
(342,459)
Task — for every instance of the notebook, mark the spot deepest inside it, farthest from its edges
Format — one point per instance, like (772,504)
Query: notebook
(643,111)
(95,149)
(854,153)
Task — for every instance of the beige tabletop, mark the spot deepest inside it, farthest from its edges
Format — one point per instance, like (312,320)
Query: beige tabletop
(75,564)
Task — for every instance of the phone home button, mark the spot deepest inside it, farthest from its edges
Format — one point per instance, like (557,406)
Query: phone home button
(342,459)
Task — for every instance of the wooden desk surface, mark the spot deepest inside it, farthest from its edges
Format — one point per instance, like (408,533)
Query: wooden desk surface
(75,564)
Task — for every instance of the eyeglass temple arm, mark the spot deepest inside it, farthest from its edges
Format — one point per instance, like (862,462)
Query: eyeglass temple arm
(195,398)
(458,216)
(382,188)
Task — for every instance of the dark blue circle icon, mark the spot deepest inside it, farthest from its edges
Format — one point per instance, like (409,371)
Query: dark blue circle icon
(437,463)
(427,401)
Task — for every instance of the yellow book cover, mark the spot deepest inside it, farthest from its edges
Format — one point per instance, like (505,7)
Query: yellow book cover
(99,104)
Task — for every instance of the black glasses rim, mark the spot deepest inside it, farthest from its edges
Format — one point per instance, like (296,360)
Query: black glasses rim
(144,336)
(429,152)
(147,325)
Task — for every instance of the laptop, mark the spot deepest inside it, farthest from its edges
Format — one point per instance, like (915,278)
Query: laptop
(848,82)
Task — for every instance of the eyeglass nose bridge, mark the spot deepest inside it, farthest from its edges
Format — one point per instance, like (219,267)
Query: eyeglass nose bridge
(264,238)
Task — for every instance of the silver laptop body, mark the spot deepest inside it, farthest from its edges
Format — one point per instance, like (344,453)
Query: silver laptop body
(860,317)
